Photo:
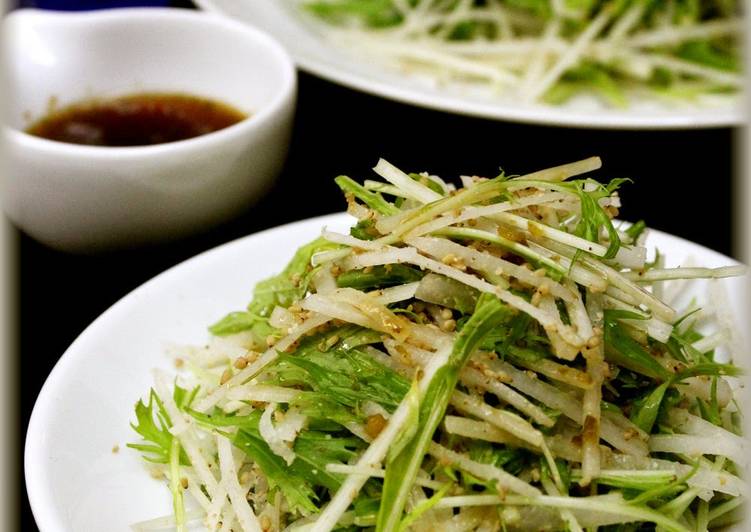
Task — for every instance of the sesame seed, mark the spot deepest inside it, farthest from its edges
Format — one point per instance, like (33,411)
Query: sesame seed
(374,425)
(448,325)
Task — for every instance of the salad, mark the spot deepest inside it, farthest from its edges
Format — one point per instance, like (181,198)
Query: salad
(552,50)
(501,355)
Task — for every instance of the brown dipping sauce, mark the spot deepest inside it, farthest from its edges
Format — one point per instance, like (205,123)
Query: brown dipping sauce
(136,120)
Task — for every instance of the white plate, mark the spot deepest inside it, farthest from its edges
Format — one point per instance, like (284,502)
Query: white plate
(311,51)
(74,480)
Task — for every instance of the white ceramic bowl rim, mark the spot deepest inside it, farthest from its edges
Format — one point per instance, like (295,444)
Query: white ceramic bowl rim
(132,15)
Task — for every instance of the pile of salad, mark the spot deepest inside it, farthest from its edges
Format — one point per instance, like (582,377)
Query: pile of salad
(551,50)
(498,356)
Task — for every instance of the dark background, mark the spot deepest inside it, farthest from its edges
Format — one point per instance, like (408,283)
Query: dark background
(682,184)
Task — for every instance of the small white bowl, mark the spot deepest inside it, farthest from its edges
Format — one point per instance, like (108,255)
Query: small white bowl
(82,198)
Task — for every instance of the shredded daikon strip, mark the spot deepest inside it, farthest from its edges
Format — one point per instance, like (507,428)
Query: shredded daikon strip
(578,314)
(672,35)
(358,211)
(387,224)
(552,489)
(503,480)
(357,307)
(322,257)
(557,372)
(450,62)
(403,182)
(281,318)
(215,511)
(659,308)
(565,171)
(656,328)
(610,503)
(708,343)
(691,424)
(263,393)
(281,437)
(695,445)
(389,255)
(395,294)
(507,421)
(183,430)
(571,408)
(666,274)
(594,355)
(541,230)
(482,430)
(575,272)
(441,247)
(270,355)
(708,479)
(490,383)
(243,511)
(411,256)
(626,22)
(351,241)
(377,186)
(540,56)
(194,487)
(377,472)
(472,212)
(701,387)
(483,191)
(571,56)
(560,347)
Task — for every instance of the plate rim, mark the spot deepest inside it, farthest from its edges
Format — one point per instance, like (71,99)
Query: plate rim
(46,515)
(554,116)
(43,507)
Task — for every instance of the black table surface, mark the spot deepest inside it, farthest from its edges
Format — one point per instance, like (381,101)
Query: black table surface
(682,184)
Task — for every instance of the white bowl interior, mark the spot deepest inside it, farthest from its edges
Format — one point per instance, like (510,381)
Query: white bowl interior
(62,58)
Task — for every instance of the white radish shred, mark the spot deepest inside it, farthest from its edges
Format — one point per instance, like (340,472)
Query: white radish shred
(503,480)
(403,182)
(245,516)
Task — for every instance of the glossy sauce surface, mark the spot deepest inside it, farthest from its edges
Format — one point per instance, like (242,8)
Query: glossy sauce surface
(136,120)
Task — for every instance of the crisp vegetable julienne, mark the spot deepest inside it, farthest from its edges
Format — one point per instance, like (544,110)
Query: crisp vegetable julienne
(551,50)
(499,356)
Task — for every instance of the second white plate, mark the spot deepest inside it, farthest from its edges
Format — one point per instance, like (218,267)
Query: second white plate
(315,54)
